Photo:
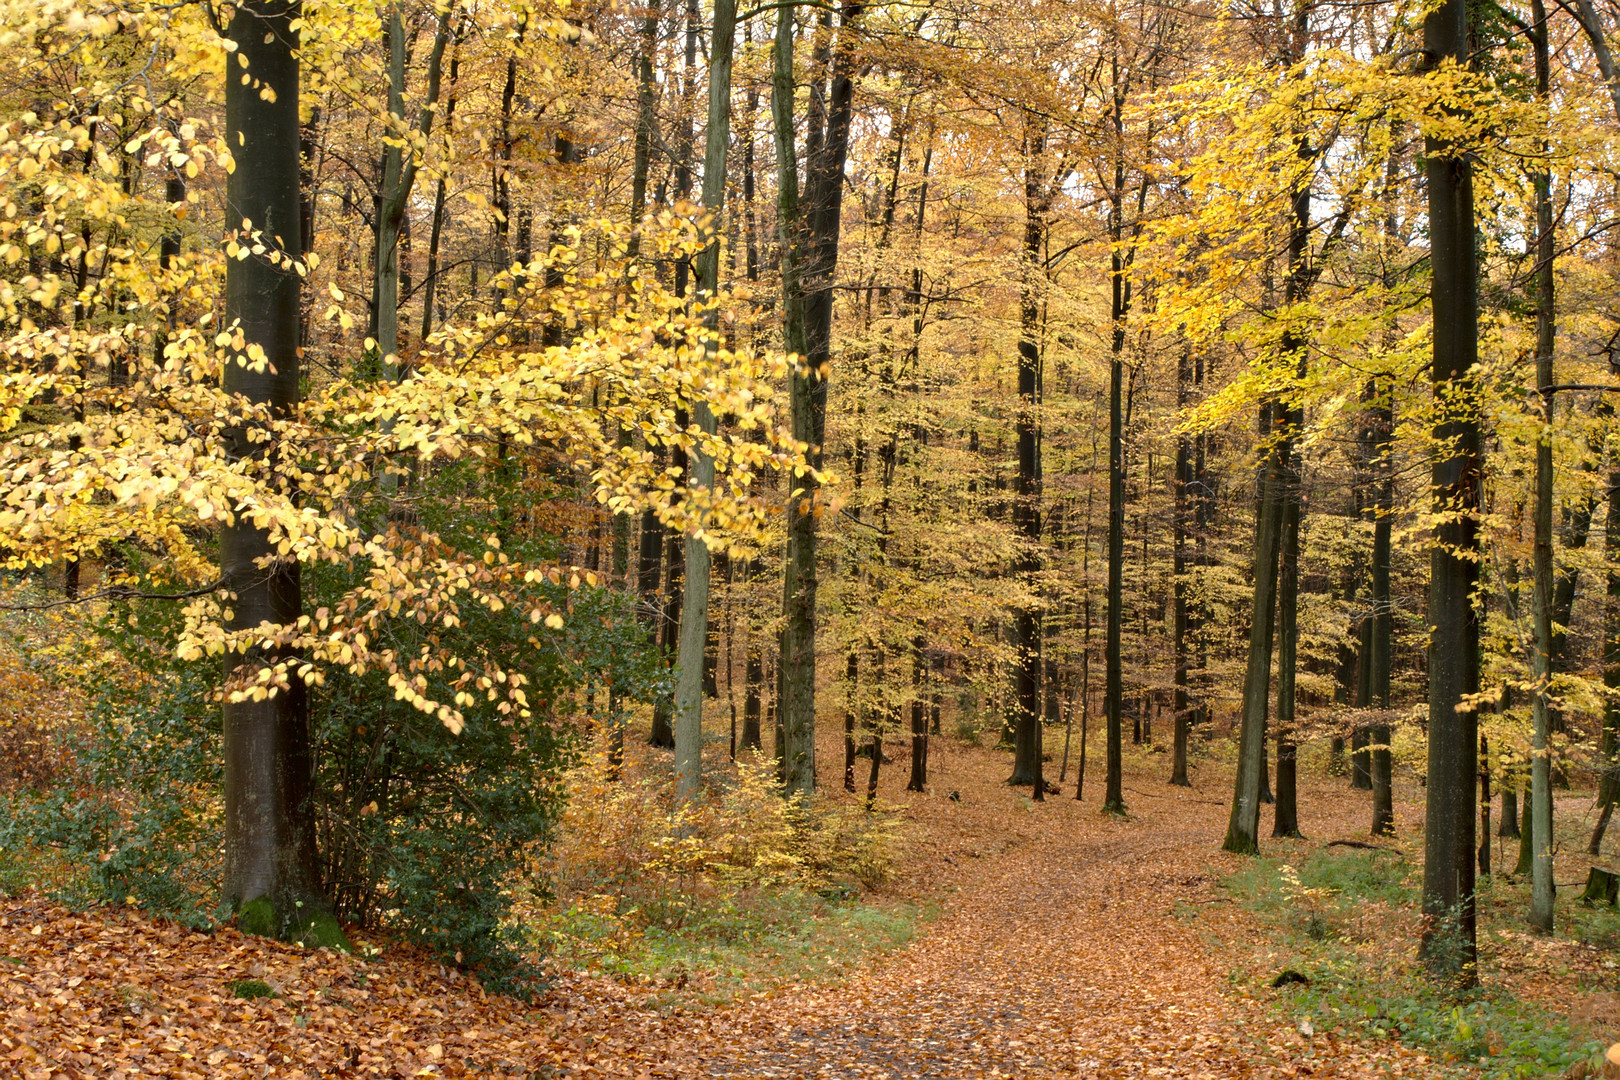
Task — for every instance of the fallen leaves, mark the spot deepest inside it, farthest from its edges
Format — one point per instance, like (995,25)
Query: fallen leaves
(1056,955)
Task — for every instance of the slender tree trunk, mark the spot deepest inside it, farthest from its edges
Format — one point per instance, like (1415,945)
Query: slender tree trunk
(695,610)
(1380,773)
(1541,867)
(1181,515)
(1027,495)
(1448,866)
(1484,806)
(1285,821)
(919,722)
(1243,829)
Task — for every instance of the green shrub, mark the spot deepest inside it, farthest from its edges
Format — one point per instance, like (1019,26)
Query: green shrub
(421,831)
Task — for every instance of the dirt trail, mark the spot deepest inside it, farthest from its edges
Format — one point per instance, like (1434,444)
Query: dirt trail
(1060,952)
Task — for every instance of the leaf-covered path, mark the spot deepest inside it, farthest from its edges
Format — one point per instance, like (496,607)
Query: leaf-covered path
(1074,945)
(1068,945)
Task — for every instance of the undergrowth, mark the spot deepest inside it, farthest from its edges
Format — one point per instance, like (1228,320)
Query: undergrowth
(740,893)
(1349,923)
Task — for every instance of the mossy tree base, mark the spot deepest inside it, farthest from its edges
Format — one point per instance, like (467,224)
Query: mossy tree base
(319,930)
(1602,887)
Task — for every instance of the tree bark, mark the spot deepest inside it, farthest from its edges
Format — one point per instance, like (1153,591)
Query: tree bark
(695,610)
(1542,888)
(1027,494)
(1449,948)
(269,824)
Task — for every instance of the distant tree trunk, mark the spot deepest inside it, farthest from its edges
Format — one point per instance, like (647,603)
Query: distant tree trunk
(1119,303)
(1510,812)
(809,250)
(1448,866)
(877,762)
(1242,832)
(1027,495)
(1382,620)
(1609,782)
(1609,740)
(1285,821)
(269,822)
(1181,517)
(852,679)
(753,678)
(1542,888)
(919,722)
(694,633)
(1484,805)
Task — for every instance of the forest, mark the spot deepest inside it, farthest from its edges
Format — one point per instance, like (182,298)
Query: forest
(536,538)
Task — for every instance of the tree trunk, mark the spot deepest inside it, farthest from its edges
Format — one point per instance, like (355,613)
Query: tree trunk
(1285,819)
(1448,866)
(1541,868)
(1026,515)
(695,610)
(919,722)
(1181,514)
(269,872)
(809,244)
(1243,828)
(1380,640)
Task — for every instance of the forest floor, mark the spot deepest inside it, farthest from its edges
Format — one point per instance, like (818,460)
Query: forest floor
(1067,944)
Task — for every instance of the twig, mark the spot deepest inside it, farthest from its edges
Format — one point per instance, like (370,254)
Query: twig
(117,592)
(1358,844)
(1150,795)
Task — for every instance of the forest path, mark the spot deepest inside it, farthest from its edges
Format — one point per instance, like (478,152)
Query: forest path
(1070,945)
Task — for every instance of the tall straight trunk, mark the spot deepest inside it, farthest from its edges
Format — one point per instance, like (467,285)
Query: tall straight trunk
(852,679)
(695,609)
(753,679)
(1381,636)
(430,283)
(796,680)
(269,822)
(1541,867)
(1027,495)
(809,246)
(399,177)
(1609,783)
(1243,828)
(1609,739)
(646,121)
(1119,303)
(1181,514)
(1484,805)
(1285,819)
(1449,948)
(919,722)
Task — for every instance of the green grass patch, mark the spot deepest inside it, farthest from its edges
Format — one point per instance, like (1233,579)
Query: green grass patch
(1346,921)
(729,947)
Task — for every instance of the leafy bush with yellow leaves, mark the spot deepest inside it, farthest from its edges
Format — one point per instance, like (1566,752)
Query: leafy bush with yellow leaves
(630,857)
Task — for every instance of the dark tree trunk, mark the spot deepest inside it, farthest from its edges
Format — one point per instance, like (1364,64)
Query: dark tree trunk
(809,246)
(1243,829)
(1380,773)
(852,675)
(1448,865)
(1484,806)
(269,826)
(1027,494)
(1181,516)
(919,722)
(1285,820)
